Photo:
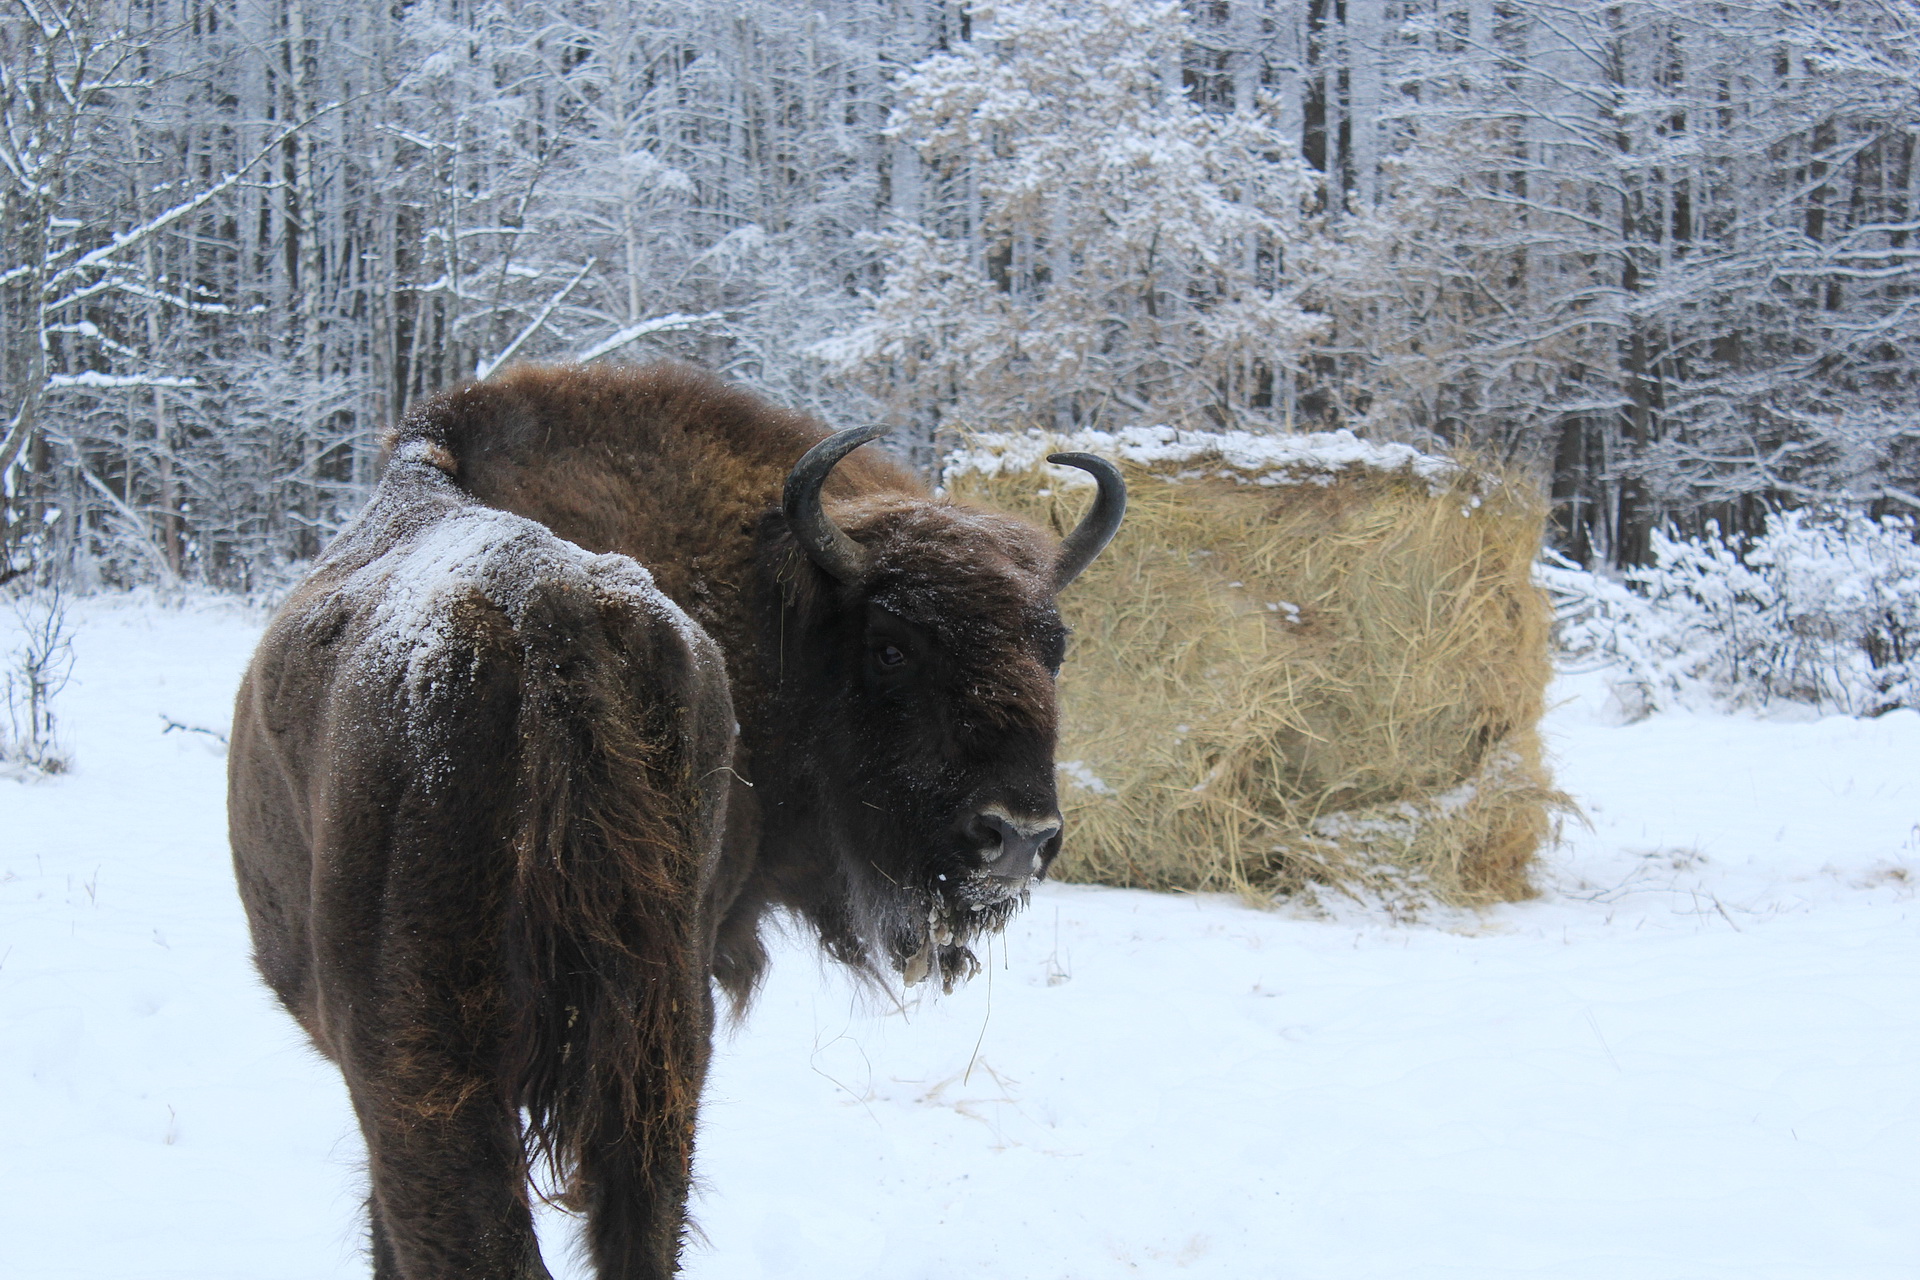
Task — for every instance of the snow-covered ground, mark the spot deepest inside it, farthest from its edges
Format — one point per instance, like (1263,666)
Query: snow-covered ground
(1697,1056)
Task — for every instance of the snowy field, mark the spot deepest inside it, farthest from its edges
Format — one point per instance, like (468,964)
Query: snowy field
(1697,1056)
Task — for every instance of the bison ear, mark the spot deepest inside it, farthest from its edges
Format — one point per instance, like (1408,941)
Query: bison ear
(825,543)
(1097,527)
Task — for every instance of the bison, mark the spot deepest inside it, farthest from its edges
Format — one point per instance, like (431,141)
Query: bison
(615,663)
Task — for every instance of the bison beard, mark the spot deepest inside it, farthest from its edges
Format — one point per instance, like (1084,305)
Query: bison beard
(504,803)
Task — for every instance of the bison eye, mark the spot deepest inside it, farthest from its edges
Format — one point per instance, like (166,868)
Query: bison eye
(889,656)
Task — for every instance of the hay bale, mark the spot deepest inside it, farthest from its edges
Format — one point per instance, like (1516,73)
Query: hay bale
(1305,663)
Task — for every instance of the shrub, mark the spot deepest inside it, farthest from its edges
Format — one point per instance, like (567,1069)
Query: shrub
(36,671)
(1822,610)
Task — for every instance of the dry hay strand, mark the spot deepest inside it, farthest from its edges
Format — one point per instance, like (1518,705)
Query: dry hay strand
(1282,688)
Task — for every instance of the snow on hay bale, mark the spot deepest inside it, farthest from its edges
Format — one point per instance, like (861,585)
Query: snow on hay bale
(1307,662)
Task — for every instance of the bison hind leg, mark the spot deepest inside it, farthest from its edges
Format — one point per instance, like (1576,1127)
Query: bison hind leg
(635,1202)
(626,733)
(449,1185)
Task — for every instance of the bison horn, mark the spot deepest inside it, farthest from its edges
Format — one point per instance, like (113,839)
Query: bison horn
(830,548)
(1099,525)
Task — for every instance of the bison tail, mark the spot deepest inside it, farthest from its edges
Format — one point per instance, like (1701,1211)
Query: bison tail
(622,719)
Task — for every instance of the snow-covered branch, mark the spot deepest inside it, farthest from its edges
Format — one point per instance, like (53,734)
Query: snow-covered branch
(671,323)
(108,381)
(134,236)
(486,366)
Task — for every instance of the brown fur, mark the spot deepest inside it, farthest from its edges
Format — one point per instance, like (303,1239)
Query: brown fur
(494,831)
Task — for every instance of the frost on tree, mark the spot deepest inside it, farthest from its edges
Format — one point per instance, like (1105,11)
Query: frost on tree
(1109,249)
(1662,255)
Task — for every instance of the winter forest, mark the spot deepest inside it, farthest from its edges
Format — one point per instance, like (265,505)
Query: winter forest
(1649,267)
(1660,254)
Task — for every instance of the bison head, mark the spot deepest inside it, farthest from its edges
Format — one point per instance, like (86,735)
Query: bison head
(915,698)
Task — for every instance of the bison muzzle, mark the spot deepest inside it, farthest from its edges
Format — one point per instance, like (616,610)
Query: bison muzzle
(616,663)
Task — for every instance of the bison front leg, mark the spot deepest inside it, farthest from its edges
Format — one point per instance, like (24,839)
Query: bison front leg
(449,1180)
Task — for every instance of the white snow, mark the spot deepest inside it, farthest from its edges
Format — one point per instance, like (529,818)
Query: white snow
(1078,773)
(1695,1057)
(1261,457)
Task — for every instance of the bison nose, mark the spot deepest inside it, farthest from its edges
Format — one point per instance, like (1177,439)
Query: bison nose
(1010,847)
